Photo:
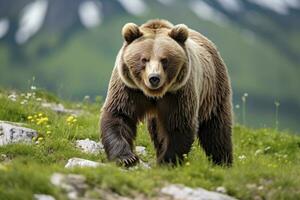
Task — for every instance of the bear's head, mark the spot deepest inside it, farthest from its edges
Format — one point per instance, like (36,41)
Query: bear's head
(154,57)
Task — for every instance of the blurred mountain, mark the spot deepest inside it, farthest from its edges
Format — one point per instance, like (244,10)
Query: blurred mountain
(69,46)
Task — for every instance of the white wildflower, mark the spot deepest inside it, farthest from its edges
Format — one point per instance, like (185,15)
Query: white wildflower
(259,151)
(24,102)
(242,157)
(267,148)
(12,97)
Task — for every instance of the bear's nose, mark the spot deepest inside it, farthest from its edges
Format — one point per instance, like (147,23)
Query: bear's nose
(154,79)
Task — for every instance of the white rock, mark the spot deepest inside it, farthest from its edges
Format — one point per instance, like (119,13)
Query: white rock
(57,178)
(43,197)
(79,162)
(12,133)
(89,146)
(221,189)
(140,150)
(3,157)
(140,165)
(144,165)
(59,108)
(73,184)
(180,192)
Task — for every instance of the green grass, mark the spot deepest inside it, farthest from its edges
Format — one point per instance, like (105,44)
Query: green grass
(266,161)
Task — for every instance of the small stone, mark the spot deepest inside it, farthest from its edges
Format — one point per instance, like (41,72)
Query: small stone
(79,162)
(180,192)
(108,195)
(251,186)
(221,189)
(74,185)
(141,150)
(140,165)
(256,197)
(89,146)
(144,165)
(260,187)
(56,179)
(4,158)
(13,133)
(43,197)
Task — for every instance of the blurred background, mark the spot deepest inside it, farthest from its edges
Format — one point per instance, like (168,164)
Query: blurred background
(70,46)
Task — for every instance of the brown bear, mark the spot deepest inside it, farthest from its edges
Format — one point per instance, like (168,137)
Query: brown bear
(175,78)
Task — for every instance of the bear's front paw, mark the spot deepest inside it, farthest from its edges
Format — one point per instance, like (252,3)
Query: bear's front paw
(128,160)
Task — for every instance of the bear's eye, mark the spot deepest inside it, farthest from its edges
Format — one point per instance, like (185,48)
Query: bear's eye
(164,62)
(144,60)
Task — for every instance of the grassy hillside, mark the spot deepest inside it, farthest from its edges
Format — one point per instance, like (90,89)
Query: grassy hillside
(266,161)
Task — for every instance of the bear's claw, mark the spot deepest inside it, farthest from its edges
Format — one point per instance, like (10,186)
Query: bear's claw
(128,161)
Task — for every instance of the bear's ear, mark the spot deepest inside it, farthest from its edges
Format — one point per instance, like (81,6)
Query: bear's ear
(131,32)
(180,33)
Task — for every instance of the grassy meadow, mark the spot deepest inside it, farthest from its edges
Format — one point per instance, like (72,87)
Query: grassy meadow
(266,161)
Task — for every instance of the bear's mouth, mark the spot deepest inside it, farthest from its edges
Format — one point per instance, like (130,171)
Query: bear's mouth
(154,92)
(154,89)
(158,89)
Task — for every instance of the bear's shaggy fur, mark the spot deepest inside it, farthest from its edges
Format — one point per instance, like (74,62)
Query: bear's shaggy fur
(193,97)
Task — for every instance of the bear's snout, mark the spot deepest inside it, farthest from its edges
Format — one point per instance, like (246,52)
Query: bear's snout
(154,80)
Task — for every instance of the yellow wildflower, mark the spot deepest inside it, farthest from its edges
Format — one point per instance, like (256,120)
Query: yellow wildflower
(45,119)
(40,114)
(39,122)
(29,117)
(42,120)
(70,118)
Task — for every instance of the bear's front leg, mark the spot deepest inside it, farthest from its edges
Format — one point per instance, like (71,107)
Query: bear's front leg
(120,113)
(176,124)
(118,132)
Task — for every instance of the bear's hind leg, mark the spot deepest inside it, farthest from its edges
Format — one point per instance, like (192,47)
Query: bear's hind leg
(215,138)
(175,146)
(177,125)
(172,145)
